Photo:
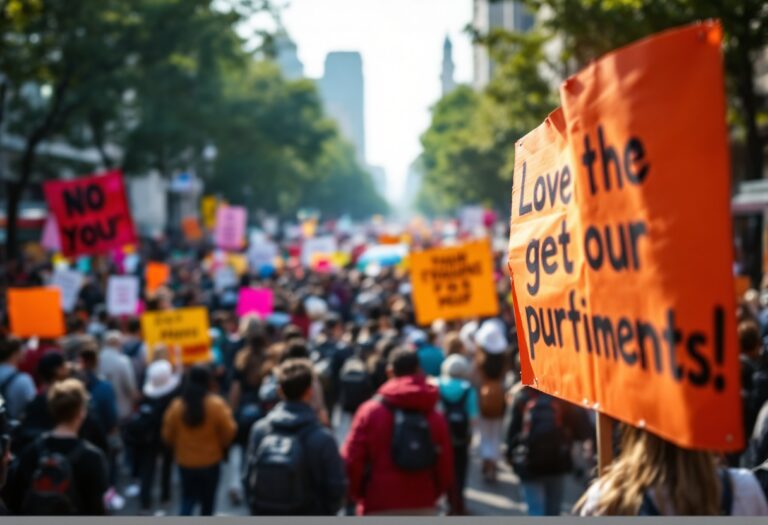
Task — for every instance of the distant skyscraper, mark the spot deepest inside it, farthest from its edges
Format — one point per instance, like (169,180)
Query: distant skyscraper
(446,77)
(510,15)
(288,56)
(342,89)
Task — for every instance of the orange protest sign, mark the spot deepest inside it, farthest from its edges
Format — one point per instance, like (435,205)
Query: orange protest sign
(156,275)
(453,283)
(612,198)
(191,229)
(35,312)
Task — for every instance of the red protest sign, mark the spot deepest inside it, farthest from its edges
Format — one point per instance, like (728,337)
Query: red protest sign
(92,213)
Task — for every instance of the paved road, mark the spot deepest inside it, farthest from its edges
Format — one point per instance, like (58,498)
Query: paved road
(504,498)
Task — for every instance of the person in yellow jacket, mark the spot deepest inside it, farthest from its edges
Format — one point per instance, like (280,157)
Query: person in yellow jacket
(199,427)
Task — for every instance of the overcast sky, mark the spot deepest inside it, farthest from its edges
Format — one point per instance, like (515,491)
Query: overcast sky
(401,42)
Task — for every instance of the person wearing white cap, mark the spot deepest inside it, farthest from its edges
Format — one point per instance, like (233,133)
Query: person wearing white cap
(458,402)
(161,386)
(491,362)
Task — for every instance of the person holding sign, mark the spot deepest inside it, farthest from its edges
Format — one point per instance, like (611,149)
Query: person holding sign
(653,477)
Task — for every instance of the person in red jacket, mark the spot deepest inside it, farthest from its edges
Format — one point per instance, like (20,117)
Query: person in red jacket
(376,484)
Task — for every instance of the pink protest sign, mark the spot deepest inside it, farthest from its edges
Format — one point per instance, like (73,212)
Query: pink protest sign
(255,300)
(51,239)
(230,227)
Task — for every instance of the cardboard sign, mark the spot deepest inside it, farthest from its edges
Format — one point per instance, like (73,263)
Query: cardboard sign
(185,328)
(156,275)
(190,227)
(230,227)
(208,206)
(255,300)
(122,295)
(91,212)
(35,312)
(69,283)
(261,255)
(454,283)
(50,240)
(612,311)
(317,245)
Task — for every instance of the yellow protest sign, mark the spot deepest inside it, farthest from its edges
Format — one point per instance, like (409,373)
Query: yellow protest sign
(208,207)
(184,327)
(239,263)
(454,283)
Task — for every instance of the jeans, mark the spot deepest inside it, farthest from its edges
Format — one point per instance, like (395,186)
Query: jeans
(199,486)
(147,469)
(544,495)
(460,463)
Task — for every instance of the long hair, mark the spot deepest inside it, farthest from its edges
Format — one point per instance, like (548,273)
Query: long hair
(195,389)
(685,482)
(250,360)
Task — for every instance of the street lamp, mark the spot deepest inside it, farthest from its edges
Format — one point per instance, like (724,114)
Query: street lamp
(210,153)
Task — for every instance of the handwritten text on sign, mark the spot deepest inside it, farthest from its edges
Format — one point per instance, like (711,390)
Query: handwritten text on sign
(186,328)
(454,283)
(623,287)
(91,212)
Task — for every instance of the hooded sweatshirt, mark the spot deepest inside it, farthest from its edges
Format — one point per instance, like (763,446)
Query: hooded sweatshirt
(325,468)
(375,483)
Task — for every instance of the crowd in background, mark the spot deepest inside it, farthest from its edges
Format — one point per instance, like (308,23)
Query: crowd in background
(337,402)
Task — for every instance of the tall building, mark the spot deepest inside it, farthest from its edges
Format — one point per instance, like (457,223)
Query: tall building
(510,15)
(342,90)
(446,76)
(288,56)
(379,176)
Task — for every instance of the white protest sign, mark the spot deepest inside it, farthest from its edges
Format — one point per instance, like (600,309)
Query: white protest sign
(472,218)
(69,282)
(262,254)
(122,295)
(317,245)
(224,277)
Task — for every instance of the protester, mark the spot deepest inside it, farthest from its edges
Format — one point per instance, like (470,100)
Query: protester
(491,367)
(118,370)
(430,356)
(542,431)
(198,426)
(458,400)
(652,477)
(385,476)
(161,387)
(61,474)
(5,452)
(17,388)
(294,467)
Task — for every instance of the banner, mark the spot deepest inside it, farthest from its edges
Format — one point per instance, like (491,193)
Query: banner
(91,212)
(35,312)
(156,274)
(255,300)
(69,283)
(230,227)
(122,295)
(184,328)
(454,283)
(620,245)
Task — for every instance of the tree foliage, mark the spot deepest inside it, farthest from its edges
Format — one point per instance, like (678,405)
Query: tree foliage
(150,83)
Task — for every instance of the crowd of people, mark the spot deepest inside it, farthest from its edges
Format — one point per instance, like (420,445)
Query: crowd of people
(337,402)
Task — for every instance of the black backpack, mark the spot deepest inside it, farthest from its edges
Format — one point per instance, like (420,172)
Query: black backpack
(543,448)
(649,508)
(143,427)
(53,491)
(458,419)
(355,384)
(413,448)
(276,476)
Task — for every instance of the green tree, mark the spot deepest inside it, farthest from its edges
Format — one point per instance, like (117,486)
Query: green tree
(590,28)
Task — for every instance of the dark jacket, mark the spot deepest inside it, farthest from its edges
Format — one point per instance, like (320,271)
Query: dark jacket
(325,468)
(375,483)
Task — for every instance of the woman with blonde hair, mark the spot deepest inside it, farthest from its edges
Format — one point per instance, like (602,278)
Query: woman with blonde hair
(653,477)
